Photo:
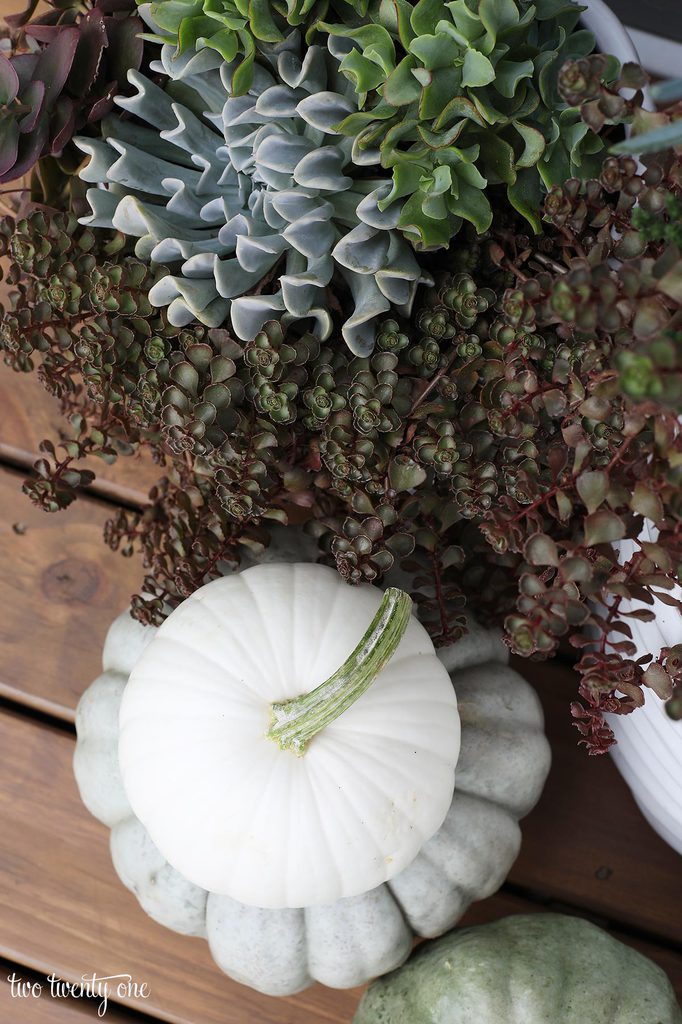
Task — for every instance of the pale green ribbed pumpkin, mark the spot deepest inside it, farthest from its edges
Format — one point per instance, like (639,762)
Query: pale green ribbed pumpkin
(527,969)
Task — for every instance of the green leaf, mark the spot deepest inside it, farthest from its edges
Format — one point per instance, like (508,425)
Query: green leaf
(646,503)
(401,87)
(658,680)
(526,196)
(375,43)
(437,140)
(242,79)
(404,473)
(365,75)
(394,16)
(498,15)
(406,177)
(541,550)
(472,205)
(424,232)
(445,83)
(262,23)
(553,8)
(467,23)
(435,51)
(498,158)
(477,70)
(671,283)
(534,145)
(458,107)
(508,74)
(593,486)
(603,527)
(425,16)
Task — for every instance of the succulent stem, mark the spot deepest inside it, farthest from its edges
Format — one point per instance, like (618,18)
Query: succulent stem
(296,721)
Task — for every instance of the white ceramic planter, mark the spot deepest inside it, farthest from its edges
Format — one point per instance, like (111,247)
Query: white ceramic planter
(612,36)
(649,749)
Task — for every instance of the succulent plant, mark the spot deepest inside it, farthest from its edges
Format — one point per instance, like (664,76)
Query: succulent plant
(234,27)
(460,96)
(493,447)
(254,196)
(69,63)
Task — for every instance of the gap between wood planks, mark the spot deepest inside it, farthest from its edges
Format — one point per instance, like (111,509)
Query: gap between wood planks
(100,490)
(512,898)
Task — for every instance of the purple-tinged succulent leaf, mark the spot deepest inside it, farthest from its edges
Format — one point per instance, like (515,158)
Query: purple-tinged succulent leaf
(19,20)
(34,97)
(55,61)
(9,81)
(92,40)
(63,125)
(30,148)
(24,64)
(125,46)
(103,104)
(79,60)
(9,144)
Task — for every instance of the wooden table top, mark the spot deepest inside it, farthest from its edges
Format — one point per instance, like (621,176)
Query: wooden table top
(586,848)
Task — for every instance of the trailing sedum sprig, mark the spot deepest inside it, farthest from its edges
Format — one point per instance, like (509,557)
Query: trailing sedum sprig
(491,451)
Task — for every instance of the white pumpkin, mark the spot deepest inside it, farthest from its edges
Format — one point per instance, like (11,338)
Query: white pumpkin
(503,762)
(244,816)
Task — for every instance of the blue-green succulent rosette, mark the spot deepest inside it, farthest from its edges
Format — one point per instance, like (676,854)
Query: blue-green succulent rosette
(256,197)
(265,173)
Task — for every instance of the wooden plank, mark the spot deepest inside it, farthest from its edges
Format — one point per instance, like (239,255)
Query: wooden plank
(586,842)
(87,921)
(37,1006)
(63,909)
(60,588)
(30,414)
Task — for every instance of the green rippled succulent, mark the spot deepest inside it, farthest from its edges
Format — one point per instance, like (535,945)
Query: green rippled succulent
(459,96)
(234,27)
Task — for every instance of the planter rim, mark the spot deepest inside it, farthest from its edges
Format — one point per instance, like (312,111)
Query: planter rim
(612,36)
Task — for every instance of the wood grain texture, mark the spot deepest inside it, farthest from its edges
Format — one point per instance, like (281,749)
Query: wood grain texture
(28,415)
(60,588)
(63,909)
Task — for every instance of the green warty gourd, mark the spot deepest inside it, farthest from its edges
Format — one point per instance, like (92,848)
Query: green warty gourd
(255,197)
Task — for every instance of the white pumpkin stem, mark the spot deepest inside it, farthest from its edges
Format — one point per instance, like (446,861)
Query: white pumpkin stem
(296,721)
